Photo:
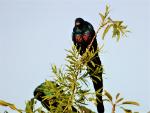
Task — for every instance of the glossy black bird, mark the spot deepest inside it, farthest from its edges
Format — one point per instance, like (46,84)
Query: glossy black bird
(83,33)
(43,90)
(48,90)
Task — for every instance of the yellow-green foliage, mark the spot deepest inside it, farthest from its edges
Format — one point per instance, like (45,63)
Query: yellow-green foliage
(119,102)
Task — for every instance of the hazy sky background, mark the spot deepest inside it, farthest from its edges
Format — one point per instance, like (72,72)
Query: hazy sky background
(35,33)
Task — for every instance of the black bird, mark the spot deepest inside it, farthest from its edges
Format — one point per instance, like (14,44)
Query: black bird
(83,33)
(48,90)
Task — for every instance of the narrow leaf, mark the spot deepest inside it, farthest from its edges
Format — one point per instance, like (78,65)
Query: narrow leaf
(106,100)
(126,110)
(12,106)
(105,31)
(108,95)
(118,35)
(102,16)
(119,100)
(131,102)
(117,96)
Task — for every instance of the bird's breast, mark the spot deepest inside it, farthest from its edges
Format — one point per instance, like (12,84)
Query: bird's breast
(78,38)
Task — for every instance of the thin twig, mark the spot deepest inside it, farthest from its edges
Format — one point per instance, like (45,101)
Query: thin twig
(90,45)
(113,108)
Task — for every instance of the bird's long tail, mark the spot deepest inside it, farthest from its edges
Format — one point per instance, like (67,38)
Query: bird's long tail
(96,72)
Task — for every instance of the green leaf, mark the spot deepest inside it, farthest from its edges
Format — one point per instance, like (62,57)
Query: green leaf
(126,110)
(106,30)
(106,10)
(83,109)
(54,69)
(131,102)
(83,80)
(71,58)
(70,68)
(119,100)
(117,96)
(114,30)
(91,99)
(107,100)
(108,95)
(30,106)
(102,16)
(39,110)
(118,35)
(118,23)
(93,64)
(12,106)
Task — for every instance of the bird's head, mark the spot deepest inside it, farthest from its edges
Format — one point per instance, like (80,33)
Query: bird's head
(79,22)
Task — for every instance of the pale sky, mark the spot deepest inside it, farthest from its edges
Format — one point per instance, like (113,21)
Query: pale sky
(35,33)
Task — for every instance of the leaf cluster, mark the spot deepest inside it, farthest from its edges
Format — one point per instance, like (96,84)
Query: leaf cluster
(119,102)
(117,26)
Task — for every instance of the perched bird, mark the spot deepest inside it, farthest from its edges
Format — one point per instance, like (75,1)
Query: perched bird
(49,90)
(82,35)
(41,91)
